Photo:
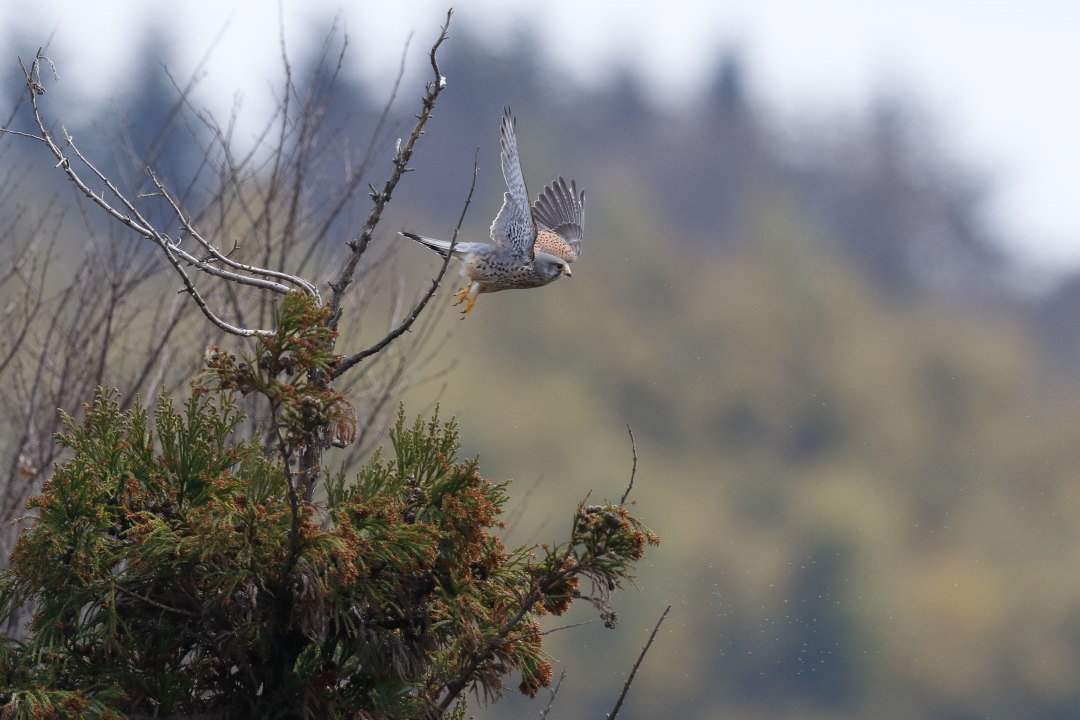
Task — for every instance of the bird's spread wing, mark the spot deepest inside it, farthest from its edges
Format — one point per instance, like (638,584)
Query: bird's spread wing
(514,226)
(561,209)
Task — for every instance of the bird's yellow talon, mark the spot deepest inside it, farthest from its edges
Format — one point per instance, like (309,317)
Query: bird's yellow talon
(463,296)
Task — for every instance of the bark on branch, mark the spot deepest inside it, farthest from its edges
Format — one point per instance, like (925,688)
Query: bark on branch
(402,155)
(351,360)
(80,171)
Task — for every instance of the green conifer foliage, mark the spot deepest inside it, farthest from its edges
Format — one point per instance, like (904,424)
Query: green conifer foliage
(176,571)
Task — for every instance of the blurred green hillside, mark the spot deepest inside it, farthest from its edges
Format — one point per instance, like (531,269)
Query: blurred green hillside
(858,441)
(867,506)
(859,452)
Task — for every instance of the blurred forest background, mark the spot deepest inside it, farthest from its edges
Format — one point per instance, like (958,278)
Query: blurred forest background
(857,423)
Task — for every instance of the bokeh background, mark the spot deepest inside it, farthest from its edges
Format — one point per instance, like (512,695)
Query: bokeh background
(829,278)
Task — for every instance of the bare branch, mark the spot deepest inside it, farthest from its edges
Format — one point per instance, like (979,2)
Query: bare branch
(97,303)
(407,323)
(633,470)
(155,603)
(544,633)
(223,258)
(156,347)
(356,174)
(401,164)
(633,671)
(554,693)
(126,213)
(33,293)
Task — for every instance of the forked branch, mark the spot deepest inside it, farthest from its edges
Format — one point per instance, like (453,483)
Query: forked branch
(350,360)
(80,171)
(192,249)
(402,155)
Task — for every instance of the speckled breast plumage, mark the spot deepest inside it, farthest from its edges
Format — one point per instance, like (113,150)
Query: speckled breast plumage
(495,270)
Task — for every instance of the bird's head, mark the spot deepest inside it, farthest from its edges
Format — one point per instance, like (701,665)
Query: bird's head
(550,267)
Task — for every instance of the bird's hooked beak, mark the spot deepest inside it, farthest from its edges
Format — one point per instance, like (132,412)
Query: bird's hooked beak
(566,271)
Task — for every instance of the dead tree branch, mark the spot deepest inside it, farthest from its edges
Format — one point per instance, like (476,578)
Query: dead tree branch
(123,210)
(259,205)
(554,694)
(402,155)
(223,258)
(633,671)
(351,360)
(633,469)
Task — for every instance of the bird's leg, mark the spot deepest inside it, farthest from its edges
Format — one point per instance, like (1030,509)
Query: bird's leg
(467,295)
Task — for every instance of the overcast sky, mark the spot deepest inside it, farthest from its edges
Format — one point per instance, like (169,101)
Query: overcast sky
(998,77)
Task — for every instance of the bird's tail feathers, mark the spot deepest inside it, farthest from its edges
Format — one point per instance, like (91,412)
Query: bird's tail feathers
(440,246)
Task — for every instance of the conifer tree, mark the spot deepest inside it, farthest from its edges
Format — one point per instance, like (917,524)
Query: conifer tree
(181,563)
(177,571)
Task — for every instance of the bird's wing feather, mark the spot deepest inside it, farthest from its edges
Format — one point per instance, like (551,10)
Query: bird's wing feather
(561,209)
(514,226)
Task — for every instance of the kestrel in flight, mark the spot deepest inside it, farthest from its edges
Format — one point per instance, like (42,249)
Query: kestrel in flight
(531,246)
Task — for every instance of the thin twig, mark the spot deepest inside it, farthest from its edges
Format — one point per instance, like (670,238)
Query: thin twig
(121,209)
(530,636)
(401,159)
(155,603)
(224,258)
(356,175)
(554,692)
(513,517)
(633,470)
(351,360)
(633,671)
